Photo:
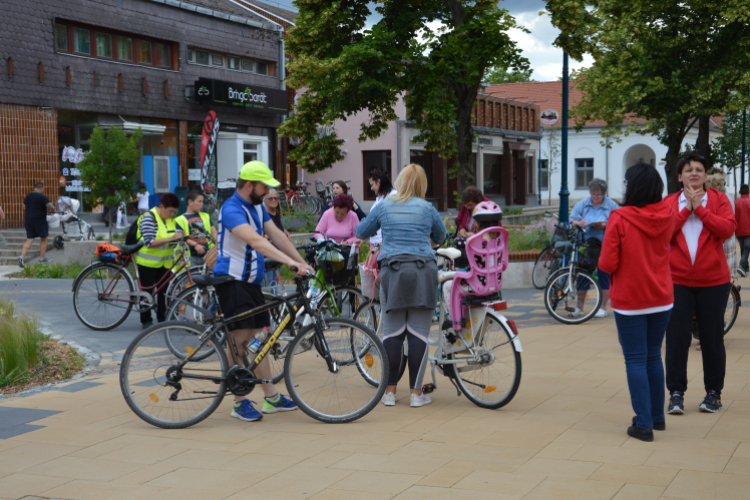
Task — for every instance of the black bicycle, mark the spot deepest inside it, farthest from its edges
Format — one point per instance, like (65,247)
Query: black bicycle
(550,259)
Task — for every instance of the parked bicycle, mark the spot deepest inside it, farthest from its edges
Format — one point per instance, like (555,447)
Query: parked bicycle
(335,368)
(550,259)
(730,313)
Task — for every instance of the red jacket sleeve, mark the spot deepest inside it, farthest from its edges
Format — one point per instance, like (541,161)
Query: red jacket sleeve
(722,223)
(463,215)
(680,219)
(609,260)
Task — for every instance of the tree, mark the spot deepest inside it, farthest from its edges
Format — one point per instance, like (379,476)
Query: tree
(110,167)
(726,150)
(553,157)
(660,66)
(434,53)
(502,75)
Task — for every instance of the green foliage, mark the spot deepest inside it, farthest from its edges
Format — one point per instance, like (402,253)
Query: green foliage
(110,167)
(727,148)
(520,240)
(512,211)
(348,69)
(296,222)
(19,343)
(502,75)
(51,271)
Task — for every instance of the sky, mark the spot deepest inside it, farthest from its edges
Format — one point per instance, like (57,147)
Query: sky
(544,58)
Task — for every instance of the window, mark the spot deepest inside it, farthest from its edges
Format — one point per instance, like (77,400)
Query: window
(424,160)
(81,41)
(124,48)
(163,55)
(144,52)
(261,68)
(233,63)
(104,45)
(61,37)
(373,160)
(249,151)
(545,175)
(190,55)
(493,174)
(201,57)
(217,60)
(161,174)
(584,172)
(248,66)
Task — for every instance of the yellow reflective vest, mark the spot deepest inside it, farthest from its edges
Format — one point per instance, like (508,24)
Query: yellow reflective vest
(162,256)
(205,218)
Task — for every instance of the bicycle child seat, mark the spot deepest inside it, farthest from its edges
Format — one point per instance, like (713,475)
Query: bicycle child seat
(488,258)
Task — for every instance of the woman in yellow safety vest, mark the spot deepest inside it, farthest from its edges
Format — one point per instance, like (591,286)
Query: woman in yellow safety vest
(157,229)
(199,243)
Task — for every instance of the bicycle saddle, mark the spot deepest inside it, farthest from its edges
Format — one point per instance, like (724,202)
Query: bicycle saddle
(451,253)
(202,280)
(131,249)
(271,265)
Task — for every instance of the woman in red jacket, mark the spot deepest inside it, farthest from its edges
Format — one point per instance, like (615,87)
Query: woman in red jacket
(635,252)
(701,283)
(470,198)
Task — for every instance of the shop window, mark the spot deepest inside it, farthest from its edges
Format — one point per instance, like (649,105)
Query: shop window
(249,152)
(217,60)
(372,160)
(233,63)
(144,52)
(190,56)
(104,45)
(161,174)
(248,66)
(544,175)
(124,48)
(584,172)
(424,160)
(493,181)
(261,68)
(81,41)
(163,55)
(201,57)
(61,37)
(530,175)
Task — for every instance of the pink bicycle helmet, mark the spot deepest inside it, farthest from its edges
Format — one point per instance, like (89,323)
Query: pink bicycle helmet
(488,212)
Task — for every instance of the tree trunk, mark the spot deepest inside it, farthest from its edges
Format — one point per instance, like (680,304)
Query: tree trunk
(673,154)
(703,143)
(110,225)
(466,97)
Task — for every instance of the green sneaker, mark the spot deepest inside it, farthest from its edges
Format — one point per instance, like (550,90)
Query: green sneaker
(279,403)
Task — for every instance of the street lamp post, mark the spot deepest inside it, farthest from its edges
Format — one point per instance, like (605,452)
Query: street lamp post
(564,193)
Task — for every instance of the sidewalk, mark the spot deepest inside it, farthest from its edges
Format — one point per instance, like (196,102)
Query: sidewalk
(562,437)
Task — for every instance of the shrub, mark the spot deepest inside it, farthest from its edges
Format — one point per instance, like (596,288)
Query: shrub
(299,223)
(19,343)
(512,211)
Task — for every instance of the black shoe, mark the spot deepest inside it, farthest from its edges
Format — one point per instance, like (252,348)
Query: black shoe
(148,324)
(658,426)
(712,402)
(642,434)
(676,404)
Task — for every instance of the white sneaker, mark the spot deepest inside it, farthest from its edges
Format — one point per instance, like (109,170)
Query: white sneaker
(389,399)
(577,313)
(421,400)
(601,313)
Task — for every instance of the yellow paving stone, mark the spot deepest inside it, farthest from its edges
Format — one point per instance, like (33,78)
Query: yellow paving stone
(300,481)
(500,482)
(454,435)
(576,436)
(692,485)
(393,463)
(146,474)
(371,449)
(203,459)
(445,477)
(31,454)
(329,494)
(190,494)
(84,468)
(560,468)
(376,482)
(356,436)
(194,444)
(560,488)
(71,435)
(516,439)
(418,449)
(95,490)
(490,466)
(207,479)
(263,463)
(6,444)
(20,485)
(666,442)
(636,474)
(743,450)
(323,459)
(612,454)
(488,454)
(143,453)
(639,492)
(433,493)
(112,422)
(119,443)
(688,460)
(561,451)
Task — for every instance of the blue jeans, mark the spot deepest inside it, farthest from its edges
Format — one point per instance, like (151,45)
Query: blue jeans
(641,338)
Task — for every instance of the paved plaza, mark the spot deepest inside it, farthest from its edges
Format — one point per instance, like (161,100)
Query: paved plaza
(562,437)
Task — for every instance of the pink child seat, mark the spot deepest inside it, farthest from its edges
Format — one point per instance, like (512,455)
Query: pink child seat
(488,258)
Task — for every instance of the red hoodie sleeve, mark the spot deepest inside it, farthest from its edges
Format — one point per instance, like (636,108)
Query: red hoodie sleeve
(722,223)
(463,215)
(680,219)
(609,260)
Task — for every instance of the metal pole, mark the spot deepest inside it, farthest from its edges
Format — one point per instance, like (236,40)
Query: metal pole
(564,193)
(539,169)
(742,169)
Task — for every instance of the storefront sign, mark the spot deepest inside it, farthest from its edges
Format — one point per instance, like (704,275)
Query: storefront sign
(194,174)
(75,185)
(241,95)
(72,154)
(483,140)
(549,117)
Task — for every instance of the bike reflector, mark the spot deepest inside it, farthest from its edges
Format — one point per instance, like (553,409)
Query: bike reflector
(512,325)
(189,349)
(368,360)
(490,388)
(500,306)
(154,398)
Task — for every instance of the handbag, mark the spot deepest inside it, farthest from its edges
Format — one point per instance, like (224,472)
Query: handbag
(210,257)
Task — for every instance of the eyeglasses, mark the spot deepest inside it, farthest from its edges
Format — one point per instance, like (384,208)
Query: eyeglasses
(272,199)
(597,195)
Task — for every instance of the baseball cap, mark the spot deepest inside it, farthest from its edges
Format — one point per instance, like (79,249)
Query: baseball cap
(257,171)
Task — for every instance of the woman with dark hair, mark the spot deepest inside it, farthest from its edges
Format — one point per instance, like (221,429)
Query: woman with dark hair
(470,198)
(742,217)
(701,283)
(380,183)
(337,188)
(636,254)
(338,222)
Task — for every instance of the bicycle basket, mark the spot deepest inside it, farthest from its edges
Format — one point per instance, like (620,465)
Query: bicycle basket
(320,187)
(333,264)
(561,234)
(588,259)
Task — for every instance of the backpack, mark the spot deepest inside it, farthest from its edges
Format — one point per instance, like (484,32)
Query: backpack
(132,237)
(108,253)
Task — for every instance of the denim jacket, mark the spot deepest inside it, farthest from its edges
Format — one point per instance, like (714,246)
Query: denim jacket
(407,227)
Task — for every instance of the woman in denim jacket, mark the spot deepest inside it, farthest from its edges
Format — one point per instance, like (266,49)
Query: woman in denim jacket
(408,275)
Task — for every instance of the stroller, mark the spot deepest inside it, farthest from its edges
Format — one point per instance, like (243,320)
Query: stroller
(74,228)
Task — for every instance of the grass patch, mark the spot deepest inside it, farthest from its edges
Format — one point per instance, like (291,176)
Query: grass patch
(299,223)
(19,343)
(50,271)
(512,211)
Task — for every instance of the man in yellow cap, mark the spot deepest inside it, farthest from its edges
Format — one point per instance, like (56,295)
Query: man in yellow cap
(242,247)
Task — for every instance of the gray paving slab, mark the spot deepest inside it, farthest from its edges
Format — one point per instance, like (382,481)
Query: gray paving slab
(18,430)
(13,417)
(78,386)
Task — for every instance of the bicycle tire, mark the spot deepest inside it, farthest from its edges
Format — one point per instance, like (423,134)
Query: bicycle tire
(541,269)
(369,314)
(552,289)
(349,299)
(177,283)
(734,296)
(145,387)
(81,289)
(513,356)
(179,309)
(302,361)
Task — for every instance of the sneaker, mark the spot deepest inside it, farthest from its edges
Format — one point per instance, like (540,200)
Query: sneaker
(658,426)
(389,399)
(676,404)
(282,403)
(642,434)
(742,271)
(421,400)
(245,411)
(601,313)
(712,402)
(577,313)
(21,261)
(44,261)
(147,325)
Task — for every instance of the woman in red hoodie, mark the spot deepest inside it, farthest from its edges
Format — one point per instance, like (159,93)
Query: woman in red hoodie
(635,252)
(701,283)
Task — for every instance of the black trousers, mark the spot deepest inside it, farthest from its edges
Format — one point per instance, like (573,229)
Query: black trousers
(149,277)
(744,242)
(709,304)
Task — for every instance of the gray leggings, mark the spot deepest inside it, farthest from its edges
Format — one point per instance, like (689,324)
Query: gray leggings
(412,325)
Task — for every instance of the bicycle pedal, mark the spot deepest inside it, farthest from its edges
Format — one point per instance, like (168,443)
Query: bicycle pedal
(447,325)
(428,388)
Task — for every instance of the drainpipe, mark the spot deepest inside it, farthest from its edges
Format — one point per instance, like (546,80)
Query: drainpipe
(398,145)
(282,76)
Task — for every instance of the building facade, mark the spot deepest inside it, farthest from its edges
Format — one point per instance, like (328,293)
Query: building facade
(157,65)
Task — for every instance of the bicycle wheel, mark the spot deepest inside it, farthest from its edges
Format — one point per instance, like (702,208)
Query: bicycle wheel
(491,379)
(543,267)
(342,394)
(102,296)
(369,314)
(348,300)
(733,309)
(180,309)
(295,204)
(162,394)
(572,297)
